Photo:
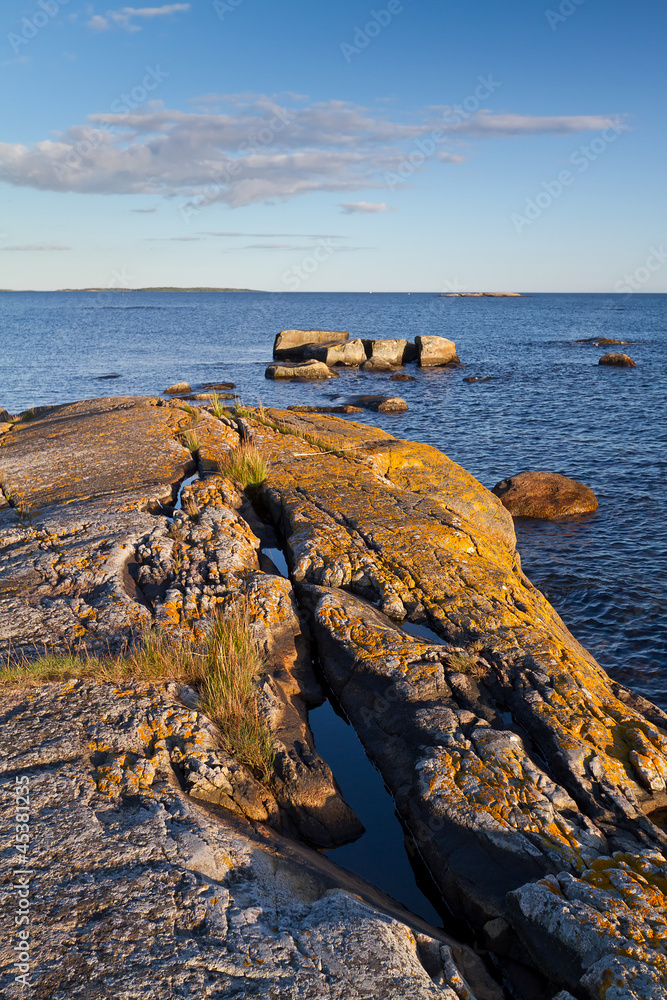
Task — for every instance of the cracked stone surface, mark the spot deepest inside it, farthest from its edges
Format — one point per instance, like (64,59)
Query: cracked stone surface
(140,892)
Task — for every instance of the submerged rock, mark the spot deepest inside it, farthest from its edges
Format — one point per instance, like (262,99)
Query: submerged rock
(600,341)
(545,495)
(381,404)
(344,408)
(300,370)
(402,377)
(435,352)
(617,359)
(290,345)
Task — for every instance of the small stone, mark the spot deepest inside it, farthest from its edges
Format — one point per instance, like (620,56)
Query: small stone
(177,388)
(373,365)
(402,377)
(216,386)
(617,360)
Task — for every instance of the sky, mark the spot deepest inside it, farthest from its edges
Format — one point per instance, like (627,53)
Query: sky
(334,145)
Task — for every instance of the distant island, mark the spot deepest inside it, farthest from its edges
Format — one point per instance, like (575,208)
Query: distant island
(166,288)
(480,295)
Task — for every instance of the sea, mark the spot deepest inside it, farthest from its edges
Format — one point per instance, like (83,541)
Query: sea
(545,404)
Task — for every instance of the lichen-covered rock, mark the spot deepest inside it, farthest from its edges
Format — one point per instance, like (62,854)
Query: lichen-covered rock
(434,352)
(350,354)
(289,345)
(602,934)
(545,495)
(138,891)
(302,369)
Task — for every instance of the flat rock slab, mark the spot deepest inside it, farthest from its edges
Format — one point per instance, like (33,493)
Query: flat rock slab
(290,344)
(301,370)
(545,495)
(94,448)
(617,360)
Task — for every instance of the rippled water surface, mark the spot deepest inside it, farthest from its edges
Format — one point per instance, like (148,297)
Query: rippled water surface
(548,406)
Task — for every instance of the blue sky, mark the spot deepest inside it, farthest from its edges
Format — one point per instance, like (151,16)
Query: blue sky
(334,145)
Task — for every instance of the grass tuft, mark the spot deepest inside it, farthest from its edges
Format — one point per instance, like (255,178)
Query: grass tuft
(225,674)
(191,440)
(244,465)
(229,692)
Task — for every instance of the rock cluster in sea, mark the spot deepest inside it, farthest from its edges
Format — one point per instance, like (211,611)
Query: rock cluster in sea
(295,352)
(533,785)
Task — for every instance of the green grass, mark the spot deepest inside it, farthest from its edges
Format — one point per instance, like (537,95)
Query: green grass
(225,673)
(217,409)
(245,465)
(229,692)
(191,440)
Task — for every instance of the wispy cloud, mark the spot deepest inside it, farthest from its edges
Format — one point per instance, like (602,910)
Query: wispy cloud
(329,146)
(350,207)
(127,16)
(37,246)
(144,211)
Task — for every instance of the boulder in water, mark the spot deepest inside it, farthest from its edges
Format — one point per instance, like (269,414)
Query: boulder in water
(617,360)
(177,389)
(544,495)
(435,352)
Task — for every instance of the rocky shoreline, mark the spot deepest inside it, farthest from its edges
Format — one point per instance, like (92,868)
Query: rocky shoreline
(534,786)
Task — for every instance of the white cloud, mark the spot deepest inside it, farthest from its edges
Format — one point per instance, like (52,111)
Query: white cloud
(125,17)
(350,207)
(255,151)
(37,246)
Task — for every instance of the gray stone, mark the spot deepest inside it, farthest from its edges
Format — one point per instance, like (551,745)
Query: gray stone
(391,351)
(381,404)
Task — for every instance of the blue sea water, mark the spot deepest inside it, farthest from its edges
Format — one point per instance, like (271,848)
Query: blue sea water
(548,405)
